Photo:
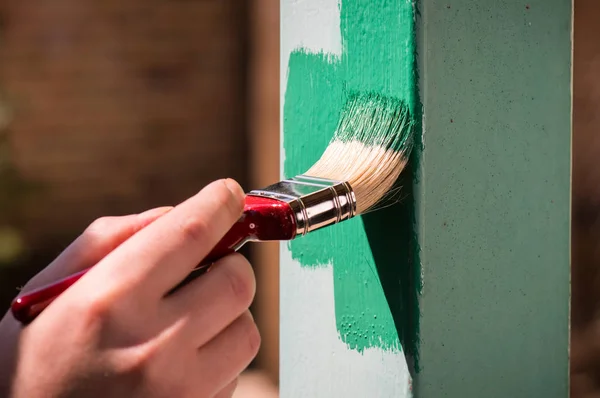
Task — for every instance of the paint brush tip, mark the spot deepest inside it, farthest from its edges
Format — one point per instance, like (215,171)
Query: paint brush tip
(370,147)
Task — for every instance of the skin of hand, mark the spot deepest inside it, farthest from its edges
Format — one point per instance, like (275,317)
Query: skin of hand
(114,333)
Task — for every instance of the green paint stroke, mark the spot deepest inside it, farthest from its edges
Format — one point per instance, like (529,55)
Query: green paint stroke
(372,273)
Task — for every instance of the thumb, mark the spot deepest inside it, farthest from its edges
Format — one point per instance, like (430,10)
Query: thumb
(100,238)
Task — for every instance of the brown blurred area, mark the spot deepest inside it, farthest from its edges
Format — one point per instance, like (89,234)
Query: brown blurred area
(585,267)
(112,107)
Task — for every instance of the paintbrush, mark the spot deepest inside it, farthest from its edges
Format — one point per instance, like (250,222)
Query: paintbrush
(356,172)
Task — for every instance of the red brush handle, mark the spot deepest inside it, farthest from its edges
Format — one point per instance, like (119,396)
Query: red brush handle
(263,219)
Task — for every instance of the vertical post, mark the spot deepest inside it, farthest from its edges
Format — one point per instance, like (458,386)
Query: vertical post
(493,198)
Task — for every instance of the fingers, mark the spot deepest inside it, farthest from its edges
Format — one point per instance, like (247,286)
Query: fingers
(163,254)
(100,238)
(216,299)
(222,359)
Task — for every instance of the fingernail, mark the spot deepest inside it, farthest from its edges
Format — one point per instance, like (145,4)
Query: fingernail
(235,188)
(156,212)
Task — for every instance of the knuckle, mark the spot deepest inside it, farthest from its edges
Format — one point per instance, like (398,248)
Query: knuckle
(239,278)
(141,365)
(195,229)
(96,306)
(142,357)
(99,230)
(100,225)
(139,359)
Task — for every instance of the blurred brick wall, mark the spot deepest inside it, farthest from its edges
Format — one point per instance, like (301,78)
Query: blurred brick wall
(585,311)
(118,106)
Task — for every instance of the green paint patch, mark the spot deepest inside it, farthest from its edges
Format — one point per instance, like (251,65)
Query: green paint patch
(313,100)
(372,257)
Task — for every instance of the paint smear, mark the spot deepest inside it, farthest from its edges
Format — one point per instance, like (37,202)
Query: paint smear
(378,55)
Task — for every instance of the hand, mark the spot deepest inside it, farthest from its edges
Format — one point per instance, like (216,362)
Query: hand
(115,334)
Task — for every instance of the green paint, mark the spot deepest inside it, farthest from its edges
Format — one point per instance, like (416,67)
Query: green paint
(376,120)
(371,256)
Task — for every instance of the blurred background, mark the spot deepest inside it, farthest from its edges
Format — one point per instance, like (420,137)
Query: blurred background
(585,249)
(111,107)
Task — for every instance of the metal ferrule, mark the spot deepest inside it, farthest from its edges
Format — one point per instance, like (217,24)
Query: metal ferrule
(316,202)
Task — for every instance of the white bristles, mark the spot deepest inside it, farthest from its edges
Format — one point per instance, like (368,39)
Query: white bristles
(370,170)
(369,149)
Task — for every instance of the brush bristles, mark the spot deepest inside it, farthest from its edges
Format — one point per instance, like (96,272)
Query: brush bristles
(369,149)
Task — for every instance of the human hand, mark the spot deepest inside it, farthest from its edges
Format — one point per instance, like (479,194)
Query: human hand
(115,334)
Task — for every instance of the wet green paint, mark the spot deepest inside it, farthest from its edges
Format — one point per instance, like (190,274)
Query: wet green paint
(372,256)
